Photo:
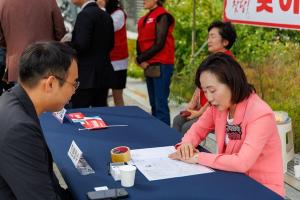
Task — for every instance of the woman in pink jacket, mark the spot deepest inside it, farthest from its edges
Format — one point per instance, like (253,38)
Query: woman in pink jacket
(246,133)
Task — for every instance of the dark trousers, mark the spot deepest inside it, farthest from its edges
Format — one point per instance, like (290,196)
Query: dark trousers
(3,85)
(93,97)
(65,194)
(182,124)
(159,90)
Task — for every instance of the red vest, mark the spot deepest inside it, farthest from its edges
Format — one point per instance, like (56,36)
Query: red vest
(228,52)
(120,50)
(203,99)
(147,35)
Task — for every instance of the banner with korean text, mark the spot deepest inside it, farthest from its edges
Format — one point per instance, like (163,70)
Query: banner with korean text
(270,13)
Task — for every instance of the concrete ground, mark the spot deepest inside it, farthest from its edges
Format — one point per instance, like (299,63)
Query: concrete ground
(136,94)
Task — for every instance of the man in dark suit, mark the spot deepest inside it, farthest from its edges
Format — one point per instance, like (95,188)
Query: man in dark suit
(47,80)
(93,39)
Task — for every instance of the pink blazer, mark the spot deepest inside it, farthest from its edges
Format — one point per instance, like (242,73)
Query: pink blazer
(257,153)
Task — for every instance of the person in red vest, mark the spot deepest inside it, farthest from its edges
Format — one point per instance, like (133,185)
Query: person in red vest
(221,37)
(156,50)
(119,54)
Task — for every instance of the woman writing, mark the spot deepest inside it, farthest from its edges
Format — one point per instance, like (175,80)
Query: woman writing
(246,133)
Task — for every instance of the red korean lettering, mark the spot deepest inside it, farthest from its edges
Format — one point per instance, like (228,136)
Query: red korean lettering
(296,6)
(285,5)
(264,5)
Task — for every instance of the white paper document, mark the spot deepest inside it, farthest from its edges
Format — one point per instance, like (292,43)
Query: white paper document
(155,164)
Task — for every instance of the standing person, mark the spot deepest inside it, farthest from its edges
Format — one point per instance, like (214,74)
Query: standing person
(47,80)
(245,127)
(119,54)
(25,22)
(93,39)
(156,53)
(221,37)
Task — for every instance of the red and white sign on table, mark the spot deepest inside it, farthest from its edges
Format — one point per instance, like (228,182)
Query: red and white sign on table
(271,13)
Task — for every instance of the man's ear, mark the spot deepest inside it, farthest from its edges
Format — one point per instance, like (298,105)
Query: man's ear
(49,84)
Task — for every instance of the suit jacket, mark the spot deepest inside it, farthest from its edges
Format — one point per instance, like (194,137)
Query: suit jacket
(26,171)
(257,153)
(25,22)
(93,39)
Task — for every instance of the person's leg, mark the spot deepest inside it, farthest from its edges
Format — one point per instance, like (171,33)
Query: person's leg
(150,88)
(5,86)
(100,97)
(118,97)
(187,125)
(178,122)
(120,84)
(2,67)
(82,98)
(65,194)
(1,88)
(161,93)
(9,85)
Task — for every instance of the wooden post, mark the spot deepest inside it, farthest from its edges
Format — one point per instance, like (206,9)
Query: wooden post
(194,29)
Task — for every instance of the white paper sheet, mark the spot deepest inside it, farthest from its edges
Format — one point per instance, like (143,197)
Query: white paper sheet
(155,164)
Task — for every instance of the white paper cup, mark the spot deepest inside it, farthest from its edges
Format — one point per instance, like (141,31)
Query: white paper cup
(127,174)
(297,171)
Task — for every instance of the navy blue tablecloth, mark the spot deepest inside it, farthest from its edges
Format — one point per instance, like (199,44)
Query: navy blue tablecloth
(143,131)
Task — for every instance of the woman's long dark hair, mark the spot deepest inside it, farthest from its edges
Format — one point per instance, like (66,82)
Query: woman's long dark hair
(113,5)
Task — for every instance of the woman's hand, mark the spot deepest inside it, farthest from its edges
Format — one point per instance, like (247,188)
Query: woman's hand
(194,114)
(144,65)
(193,159)
(184,152)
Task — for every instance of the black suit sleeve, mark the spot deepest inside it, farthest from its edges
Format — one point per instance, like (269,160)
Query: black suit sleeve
(83,33)
(162,27)
(25,164)
(112,33)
